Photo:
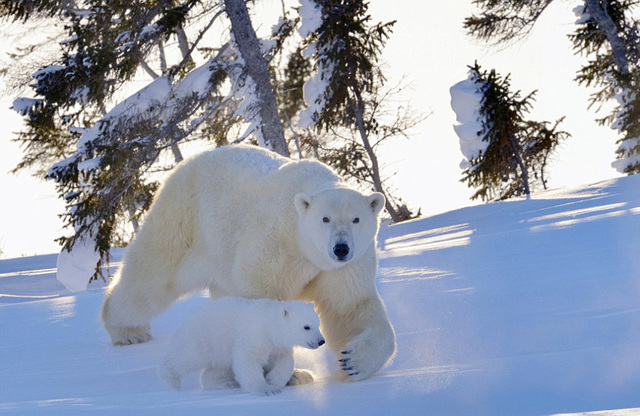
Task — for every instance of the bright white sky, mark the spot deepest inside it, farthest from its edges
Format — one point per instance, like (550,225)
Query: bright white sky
(430,48)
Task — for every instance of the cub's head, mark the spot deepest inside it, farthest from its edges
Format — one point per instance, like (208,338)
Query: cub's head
(300,325)
(337,225)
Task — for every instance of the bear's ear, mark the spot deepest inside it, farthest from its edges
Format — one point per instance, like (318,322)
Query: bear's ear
(376,202)
(302,202)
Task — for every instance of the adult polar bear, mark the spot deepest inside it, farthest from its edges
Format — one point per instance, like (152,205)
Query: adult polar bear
(244,221)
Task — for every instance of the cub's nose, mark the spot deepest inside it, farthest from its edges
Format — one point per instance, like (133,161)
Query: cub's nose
(341,251)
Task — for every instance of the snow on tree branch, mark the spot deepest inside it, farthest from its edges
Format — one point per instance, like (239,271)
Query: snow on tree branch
(161,99)
(505,155)
(311,17)
(626,121)
(104,175)
(23,105)
(466,99)
(316,91)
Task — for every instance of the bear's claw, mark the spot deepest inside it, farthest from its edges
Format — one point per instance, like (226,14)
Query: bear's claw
(346,365)
(129,335)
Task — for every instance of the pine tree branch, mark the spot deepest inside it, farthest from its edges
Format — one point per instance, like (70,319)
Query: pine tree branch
(503,22)
(148,69)
(187,53)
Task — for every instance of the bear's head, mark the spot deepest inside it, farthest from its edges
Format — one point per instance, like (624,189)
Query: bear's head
(300,325)
(337,225)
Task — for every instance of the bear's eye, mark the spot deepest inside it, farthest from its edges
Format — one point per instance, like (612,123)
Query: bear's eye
(307,328)
(326,220)
(356,220)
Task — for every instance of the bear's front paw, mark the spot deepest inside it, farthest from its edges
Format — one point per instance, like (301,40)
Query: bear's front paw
(349,366)
(129,335)
(363,356)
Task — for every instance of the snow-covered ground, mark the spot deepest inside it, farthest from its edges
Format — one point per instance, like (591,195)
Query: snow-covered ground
(514,308)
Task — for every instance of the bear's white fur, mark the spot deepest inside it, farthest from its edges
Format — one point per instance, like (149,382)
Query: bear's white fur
(243,221)
(245,342)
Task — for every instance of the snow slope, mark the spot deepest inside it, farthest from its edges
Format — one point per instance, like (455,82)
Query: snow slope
(513,308)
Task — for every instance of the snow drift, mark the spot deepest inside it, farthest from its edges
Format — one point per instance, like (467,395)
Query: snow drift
(511,308)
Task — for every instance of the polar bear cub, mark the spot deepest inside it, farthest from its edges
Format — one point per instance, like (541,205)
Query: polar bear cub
(239,342)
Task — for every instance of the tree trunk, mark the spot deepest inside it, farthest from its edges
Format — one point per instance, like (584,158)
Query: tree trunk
(270,126)
(525,173)
(358,110)
(177,154)
(608,28)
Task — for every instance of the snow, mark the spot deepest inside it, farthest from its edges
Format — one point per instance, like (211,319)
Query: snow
(47,70)
(316,88)
(149,30)
(582,16)
(627,156)
(147,99)
(69,40)
(466,99)
(157,96)
(527,307)
(244,92)
(74,268)
(314,92)
(267,45)
(81,95)
(276,28)
(196,81)
(621,164)
(154,97)
(89,164)
(311,17)
(24,105)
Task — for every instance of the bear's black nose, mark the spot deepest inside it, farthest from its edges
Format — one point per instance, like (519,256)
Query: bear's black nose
(341,251)
(321,342)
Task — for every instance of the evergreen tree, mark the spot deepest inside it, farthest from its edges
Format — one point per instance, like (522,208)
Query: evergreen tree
(343,90)
(105,153)
(506,154)
(607,32)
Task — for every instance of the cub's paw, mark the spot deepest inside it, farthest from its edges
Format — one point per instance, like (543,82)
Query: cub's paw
(266,390)
(300,376)
(214,379)
(231,384)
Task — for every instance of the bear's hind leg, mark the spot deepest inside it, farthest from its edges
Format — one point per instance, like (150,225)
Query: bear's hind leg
(128,309)
(218,378)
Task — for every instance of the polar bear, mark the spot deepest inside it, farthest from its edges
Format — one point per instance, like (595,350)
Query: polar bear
(243,221)
(242,341)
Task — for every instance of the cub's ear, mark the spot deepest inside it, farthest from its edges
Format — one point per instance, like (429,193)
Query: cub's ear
(376,202)
(302,203)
